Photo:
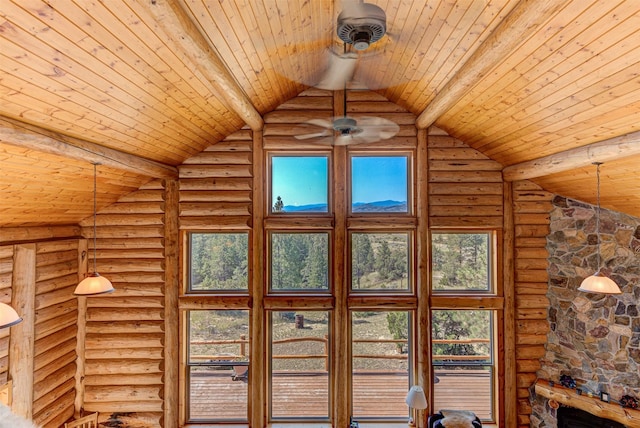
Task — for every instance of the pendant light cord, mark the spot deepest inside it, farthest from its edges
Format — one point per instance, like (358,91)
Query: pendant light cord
(597,164)
(95,209)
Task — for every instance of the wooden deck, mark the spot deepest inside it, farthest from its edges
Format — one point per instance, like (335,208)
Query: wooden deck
(216,396)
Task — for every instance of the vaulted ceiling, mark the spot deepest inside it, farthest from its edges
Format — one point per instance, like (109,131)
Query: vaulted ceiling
(544,87)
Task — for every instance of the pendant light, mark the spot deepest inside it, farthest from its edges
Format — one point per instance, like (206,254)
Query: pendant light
(8,316)
(94,283)
(598,282)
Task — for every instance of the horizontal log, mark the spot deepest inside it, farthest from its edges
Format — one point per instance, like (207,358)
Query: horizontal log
(106,266)
(124,407)
(216,196)
(56,246)
(220,158)
(131,379)
(118,243)
(529,218)
(308,103)
(137,393)
(17,235)
(531,242)
(215,184)
(123,366)
(464,177)
(145,196)
(466,189)
(99,340)
(134,207)
(532,275)
(458,200)
(62,300)
(125,353)
(195,209)
(216,223)
(462,153)
(62,311)
(531,339)
(593,405)
(367,107)
(123,220)
(57,283)
(196,302)
(532,301)
(232,144)
(53,356)
(57,270)
(125,314)
(531,288)
(466,222)
(531,264)
(480,302)
(45,373)
(124,327)
(46,400)
(130,253)
(529,352)
(530,366)
(52,416)
(219,171)
(535,313)
(242,134)
(116,300)
(63,256)
(465,210)
(531,230)
(532,207)
(55,324)
(124,232)
(464,165)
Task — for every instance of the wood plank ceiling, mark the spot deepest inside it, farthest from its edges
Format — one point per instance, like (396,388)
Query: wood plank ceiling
(142,85)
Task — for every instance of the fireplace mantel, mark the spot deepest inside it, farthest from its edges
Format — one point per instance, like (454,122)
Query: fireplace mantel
(593,405)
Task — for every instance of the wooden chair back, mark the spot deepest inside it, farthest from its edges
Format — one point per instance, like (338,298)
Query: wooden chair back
(88,421)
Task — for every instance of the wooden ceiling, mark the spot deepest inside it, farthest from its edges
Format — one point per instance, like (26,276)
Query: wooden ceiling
(544,87)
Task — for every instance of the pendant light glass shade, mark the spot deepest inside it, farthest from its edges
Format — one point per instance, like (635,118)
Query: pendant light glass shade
(598,282)
(94,283)
(8,316)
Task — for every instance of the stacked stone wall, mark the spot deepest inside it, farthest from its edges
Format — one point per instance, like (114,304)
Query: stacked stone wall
(593,338)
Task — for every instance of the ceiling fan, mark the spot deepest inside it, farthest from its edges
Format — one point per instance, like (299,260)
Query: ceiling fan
(343,131)
(359,25)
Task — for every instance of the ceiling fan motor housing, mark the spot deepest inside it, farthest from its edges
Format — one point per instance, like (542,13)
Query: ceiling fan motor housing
(362,24)
(345,125)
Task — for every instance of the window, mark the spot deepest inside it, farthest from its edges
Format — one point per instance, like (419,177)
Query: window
(217,365)
(218,262)
(299,261)
(380,363)
(461,262)
(380,261)
(463,360)
(299,365)
(299,184)
(379,184)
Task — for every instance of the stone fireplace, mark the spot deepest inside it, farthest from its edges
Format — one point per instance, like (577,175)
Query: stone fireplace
(593,338)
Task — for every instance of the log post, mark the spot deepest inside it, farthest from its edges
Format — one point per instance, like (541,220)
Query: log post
(171,312)
(21,350)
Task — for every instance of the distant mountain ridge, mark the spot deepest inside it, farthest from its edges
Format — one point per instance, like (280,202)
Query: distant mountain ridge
(358,207)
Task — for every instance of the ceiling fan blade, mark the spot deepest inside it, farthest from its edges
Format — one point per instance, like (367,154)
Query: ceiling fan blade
(321,134)
(339,71)
(322,123)
(382,128)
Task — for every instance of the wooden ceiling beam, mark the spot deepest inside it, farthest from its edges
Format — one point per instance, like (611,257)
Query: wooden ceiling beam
(34,138)
(524,19)
(186,38)
(607,150)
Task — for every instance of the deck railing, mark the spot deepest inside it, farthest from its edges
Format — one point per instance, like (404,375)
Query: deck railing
(243,342)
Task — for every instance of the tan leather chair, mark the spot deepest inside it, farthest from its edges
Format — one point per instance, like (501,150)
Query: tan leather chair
(89,421)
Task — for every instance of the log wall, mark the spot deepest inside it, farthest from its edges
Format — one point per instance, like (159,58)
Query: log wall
(125,330)
(531,207)
(123,367)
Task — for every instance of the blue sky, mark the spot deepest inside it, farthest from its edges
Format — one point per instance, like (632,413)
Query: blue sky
(303,180)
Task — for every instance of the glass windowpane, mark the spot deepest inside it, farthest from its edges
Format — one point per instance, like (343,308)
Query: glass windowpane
(462,355)
(380,364)
(299,184)
(461,262)
(380,261)
(219,262)
(379,184)
(218,364)
(299,364)
(300,261)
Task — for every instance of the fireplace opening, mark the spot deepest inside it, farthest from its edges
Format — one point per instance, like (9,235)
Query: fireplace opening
(568,417)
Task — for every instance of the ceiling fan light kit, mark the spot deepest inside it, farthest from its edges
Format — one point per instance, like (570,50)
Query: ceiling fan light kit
(360,24)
